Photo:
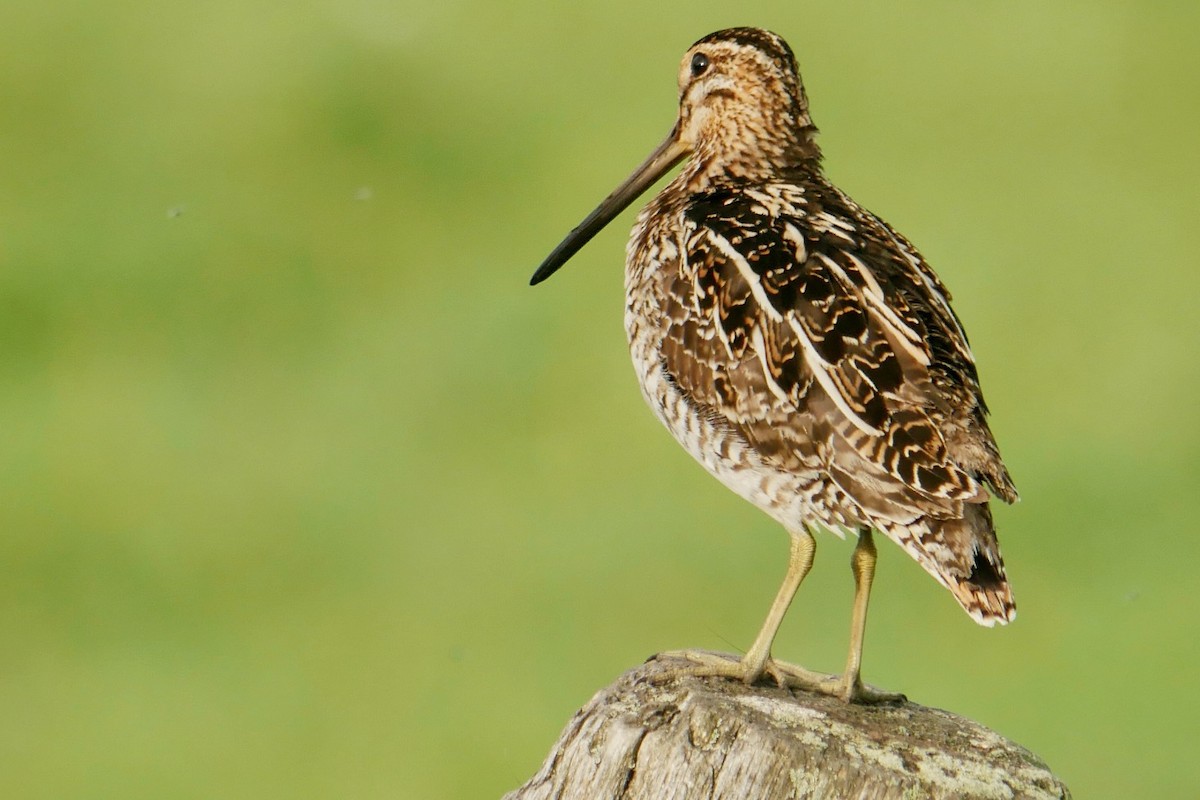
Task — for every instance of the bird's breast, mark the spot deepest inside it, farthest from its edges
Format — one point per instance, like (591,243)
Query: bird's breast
(653,302)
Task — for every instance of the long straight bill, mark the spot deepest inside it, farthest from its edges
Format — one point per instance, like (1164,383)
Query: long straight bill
(667,155)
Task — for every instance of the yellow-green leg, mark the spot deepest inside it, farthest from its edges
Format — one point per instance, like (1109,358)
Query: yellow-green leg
(758,658)
(862,564)
(757,661)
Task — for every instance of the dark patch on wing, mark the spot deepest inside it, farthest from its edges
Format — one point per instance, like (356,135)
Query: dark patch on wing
(984,573)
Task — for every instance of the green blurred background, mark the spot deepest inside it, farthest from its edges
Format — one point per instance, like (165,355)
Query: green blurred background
(306,494)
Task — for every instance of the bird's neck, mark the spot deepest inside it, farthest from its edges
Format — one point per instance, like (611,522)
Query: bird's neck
(749,153)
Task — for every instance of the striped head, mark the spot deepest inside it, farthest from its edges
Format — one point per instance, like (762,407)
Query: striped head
(743,115)
(742,107)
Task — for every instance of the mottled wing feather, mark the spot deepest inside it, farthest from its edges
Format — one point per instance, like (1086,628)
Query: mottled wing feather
(797,295)
(816,333)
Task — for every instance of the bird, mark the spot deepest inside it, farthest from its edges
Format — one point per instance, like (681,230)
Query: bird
(802,351)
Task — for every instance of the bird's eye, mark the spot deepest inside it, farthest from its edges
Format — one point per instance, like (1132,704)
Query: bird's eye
(699,65)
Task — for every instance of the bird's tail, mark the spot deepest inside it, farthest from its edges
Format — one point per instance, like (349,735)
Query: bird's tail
(964,556)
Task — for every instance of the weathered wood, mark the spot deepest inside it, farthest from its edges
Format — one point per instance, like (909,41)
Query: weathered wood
(685,738)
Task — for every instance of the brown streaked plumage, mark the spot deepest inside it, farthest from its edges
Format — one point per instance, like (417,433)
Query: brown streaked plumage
(801,349)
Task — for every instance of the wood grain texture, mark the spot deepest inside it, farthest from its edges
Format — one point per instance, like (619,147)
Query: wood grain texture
(712,738)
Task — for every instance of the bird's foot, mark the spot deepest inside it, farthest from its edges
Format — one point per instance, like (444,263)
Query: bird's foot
(839,686)
(855,691)
(710,664)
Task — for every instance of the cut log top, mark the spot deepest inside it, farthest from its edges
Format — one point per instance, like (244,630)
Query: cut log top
(684,738)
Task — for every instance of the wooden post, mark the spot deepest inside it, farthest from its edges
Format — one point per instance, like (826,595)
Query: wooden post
(708,738)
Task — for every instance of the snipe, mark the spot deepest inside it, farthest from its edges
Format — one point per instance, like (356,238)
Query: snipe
(801,349)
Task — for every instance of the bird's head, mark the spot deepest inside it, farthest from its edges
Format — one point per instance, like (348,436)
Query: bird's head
(742,106)
(743,115)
